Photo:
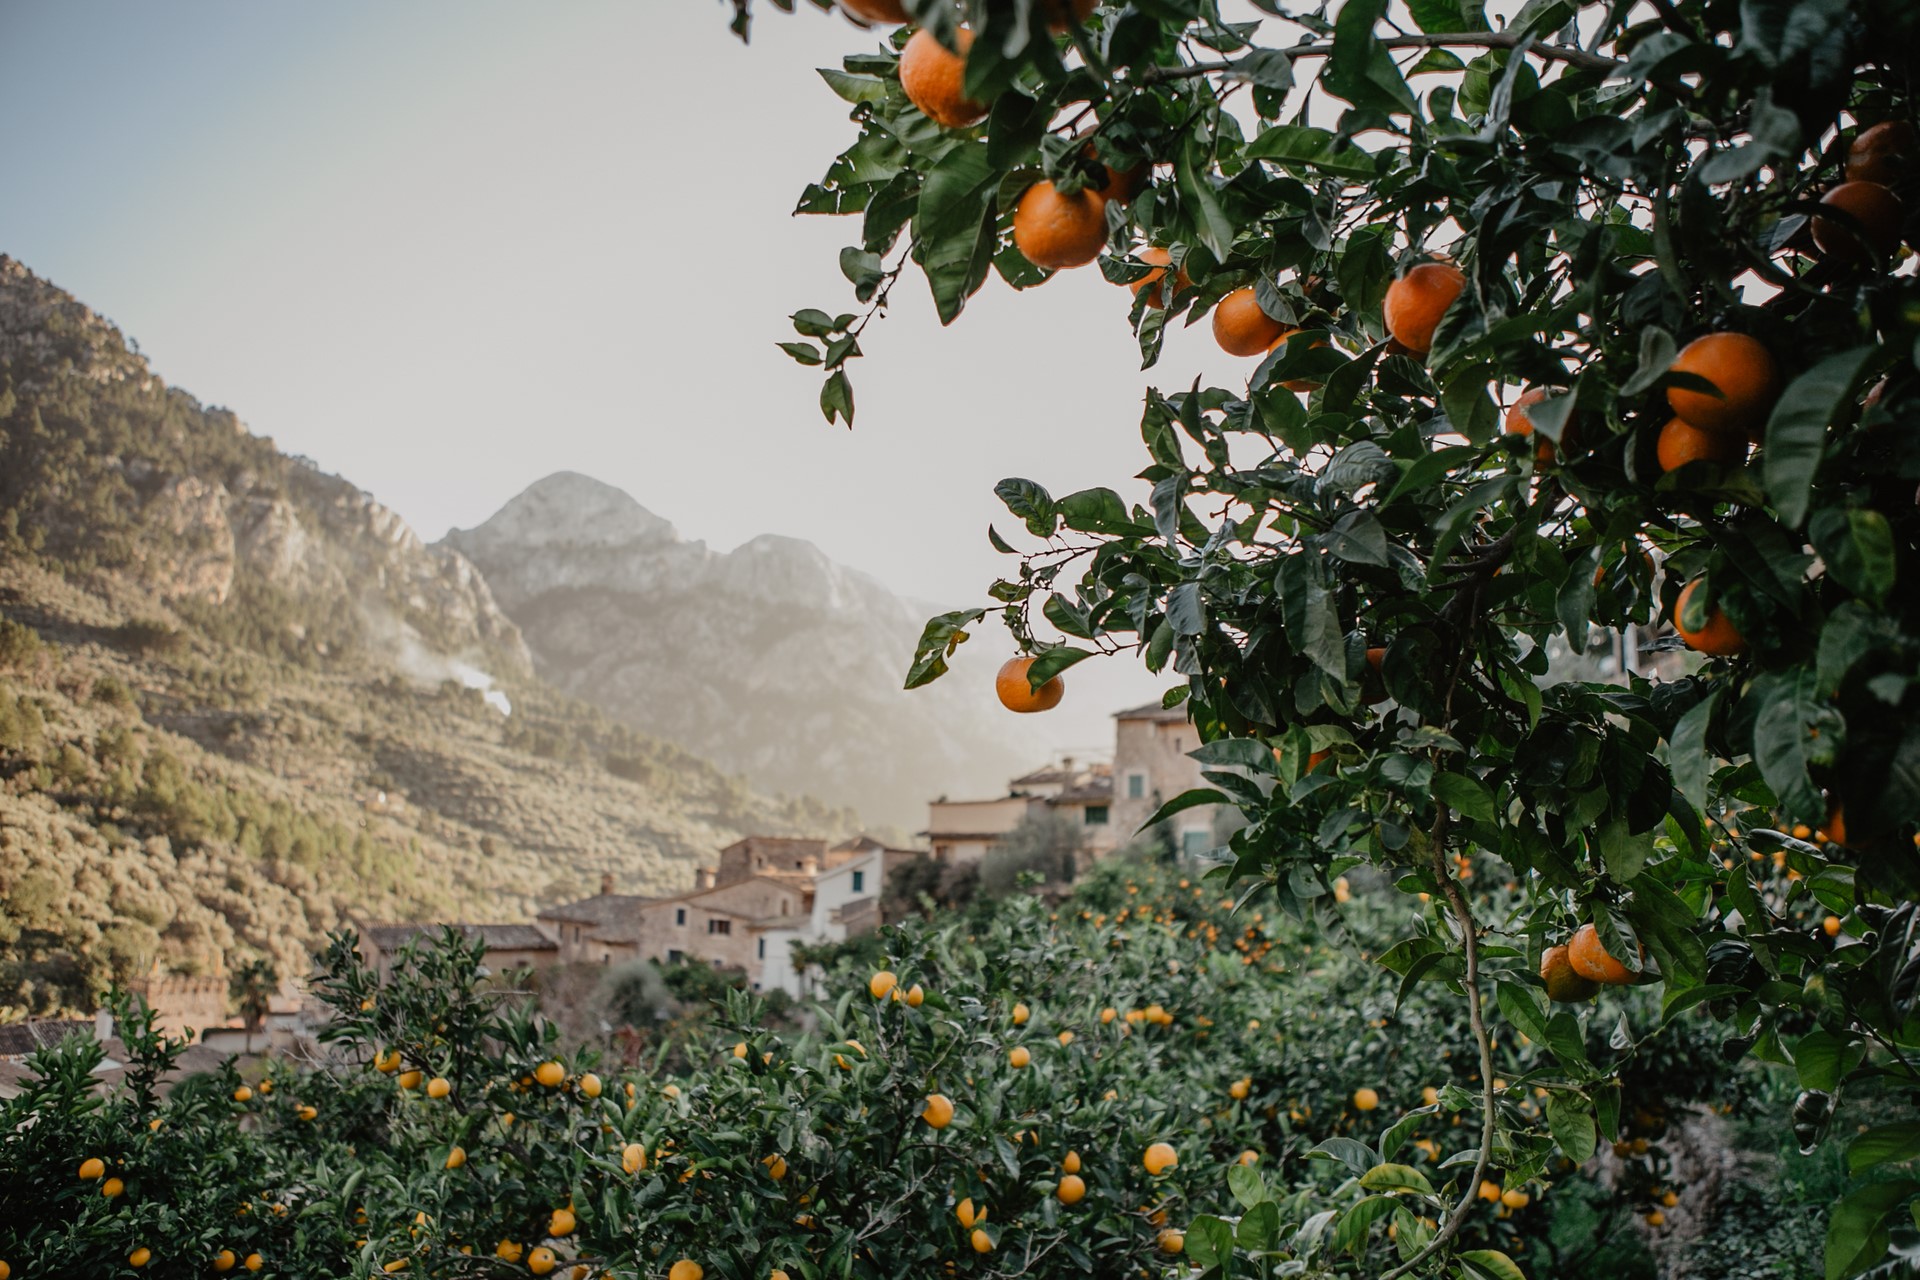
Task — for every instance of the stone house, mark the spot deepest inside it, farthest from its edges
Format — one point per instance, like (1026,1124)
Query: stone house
(1150,767)
(963,831)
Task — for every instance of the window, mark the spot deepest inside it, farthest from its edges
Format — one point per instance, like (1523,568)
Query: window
(859,881)
(762,949)
(679,915)
(1195,842)
(674,957)
(1096,815)
(1136,786)
(719,926)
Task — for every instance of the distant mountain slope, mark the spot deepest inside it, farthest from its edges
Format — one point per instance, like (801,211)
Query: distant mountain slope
(239,698)
(770,659)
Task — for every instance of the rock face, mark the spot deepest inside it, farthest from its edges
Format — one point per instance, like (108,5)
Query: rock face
(183,498)
(770,659)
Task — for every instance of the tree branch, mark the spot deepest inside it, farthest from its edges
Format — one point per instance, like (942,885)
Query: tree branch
(1463,40)
(1469,935)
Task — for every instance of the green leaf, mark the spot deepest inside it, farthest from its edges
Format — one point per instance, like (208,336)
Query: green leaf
(855,89)
(1622,852)
(1857,544)
(1186,610)
(1570,1119)
(1525,1008)
(1797,430)
(1857,1230)
(804,352)
(953,226)
(1436,16)
(1687,756)
(1466,794)
(1491,1263)
(1351,1232)
(941,636)
(1795,731)
(1099,511)
(1247,1186)
(1193,179)
(1209,1240)
(1052,662)
(1304,145)
(1259,1228)
(1396,1177)
(1312,626)
(1193,799)
(836,397)
(1031,503)
(1887,1144)
(1360,69)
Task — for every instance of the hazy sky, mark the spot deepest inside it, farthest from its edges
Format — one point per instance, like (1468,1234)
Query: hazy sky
(449,246)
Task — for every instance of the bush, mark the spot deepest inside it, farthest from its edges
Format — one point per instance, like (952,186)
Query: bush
(1151,1013)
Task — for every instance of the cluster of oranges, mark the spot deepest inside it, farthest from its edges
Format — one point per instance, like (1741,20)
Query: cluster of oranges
(1576,969)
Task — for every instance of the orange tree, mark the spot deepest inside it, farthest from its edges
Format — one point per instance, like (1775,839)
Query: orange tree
(1524,303)
(981,1101)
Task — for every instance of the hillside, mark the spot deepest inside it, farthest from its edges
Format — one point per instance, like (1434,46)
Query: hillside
(770,659)
(239,698)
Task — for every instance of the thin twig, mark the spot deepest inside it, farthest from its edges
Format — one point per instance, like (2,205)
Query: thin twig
(1467,40)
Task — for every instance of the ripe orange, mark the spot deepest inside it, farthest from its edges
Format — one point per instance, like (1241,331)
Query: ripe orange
(1071,1163)
(1018,1057)
(1072,1189)
(876,10)
(1062,13)
(550,1074)
(1589,959)
(1883,153)
(590,1085)
(1877,211)
(508,1251)
(1016,694)
(932,77)
(1680,443)
(541,1261)
(1416,301)
(1831,926)
(1240,1088)
(1021,1013)
(1154,256)
(439,1087)
(881,983)
(1742,370)
(1520,423)
(633,1158)
(914,996)
(1836,825)
(1171,1241)
(1058,231)
(939,1110)
(140,1257)
(112,1188)
(1316,342)
(1365,1099)
(686,1269)
(92,1169)
(406,1080)
(1563,983)
(1241,327)
(1716,636)
(456,1157)
(560,1222)
(1514,1198)
(224,1260)
(1159,1158)
(776,1166)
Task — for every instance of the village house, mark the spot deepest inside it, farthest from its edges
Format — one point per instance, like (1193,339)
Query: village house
(1109,803)
(964,831)
(765,896)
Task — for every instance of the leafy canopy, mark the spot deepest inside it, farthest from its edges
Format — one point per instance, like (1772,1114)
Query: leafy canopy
(1378,567)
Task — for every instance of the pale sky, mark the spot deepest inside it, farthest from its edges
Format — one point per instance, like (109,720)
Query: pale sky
(447,247)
